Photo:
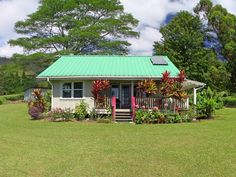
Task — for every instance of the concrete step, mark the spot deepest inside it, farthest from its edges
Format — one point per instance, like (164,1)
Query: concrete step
(123,117)
(123,110)
(123,120)
(123,114)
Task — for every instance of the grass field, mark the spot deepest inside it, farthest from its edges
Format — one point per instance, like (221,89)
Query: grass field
(38,148)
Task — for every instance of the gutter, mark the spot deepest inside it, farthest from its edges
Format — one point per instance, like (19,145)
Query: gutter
(102,77)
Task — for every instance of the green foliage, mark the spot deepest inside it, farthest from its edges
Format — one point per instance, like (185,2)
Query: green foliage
(207,103)
(148,86)
(203,5)
(48,99)
(183,42)
(79,27)
(155,116)
(93,114)
(223,23)
(2,100)
(81,110)
(19,73)
(230,101)
(15,97)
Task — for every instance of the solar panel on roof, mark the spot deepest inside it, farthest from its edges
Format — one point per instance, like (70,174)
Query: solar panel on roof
(158,60)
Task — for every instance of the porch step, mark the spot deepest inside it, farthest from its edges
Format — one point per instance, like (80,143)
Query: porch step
(123,120)
(123,110)
(123,115)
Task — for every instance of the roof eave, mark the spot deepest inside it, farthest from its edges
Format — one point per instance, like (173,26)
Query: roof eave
(99,77)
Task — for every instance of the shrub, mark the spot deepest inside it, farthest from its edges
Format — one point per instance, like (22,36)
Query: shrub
(149,116)
(93,114)
(2,100)
(139,116)
(35,112)
(60,114)
(37,104)
(155,116)
(230,101)
(81,111)
(47,99)
(206,103)
(15,97)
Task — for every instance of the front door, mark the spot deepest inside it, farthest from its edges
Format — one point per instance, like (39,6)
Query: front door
(125,96)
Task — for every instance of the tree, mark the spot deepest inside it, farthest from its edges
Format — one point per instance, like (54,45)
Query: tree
(223,24)
(183,41)
(78,27)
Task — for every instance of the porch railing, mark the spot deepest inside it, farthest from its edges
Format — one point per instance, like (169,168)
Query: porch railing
(103,103)
(163,103)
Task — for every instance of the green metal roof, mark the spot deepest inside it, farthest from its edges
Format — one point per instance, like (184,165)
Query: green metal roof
(107,67)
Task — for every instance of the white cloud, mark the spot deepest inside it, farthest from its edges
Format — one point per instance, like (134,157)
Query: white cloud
(8,51)
(150,13)
(230,5)
(11,12)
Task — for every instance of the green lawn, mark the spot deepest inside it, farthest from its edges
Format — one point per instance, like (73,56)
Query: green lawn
(38,148)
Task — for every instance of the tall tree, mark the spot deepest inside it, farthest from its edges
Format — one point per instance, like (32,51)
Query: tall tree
(78,27)
(183,42)
(223,25)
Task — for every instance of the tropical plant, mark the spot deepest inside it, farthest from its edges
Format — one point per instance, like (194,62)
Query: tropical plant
(206,103)
(178,91)
(37,104)
(148,86)
(166,85)
(81,110)
(99,91)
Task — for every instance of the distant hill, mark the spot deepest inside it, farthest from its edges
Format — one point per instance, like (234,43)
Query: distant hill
(3,60)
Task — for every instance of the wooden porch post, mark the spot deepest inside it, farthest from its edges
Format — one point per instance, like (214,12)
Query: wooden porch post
(113,104)
(133,104)
(132,89)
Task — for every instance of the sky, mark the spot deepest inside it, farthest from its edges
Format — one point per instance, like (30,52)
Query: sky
(152,14)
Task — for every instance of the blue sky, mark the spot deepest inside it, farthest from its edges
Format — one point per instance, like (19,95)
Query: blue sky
(151,14)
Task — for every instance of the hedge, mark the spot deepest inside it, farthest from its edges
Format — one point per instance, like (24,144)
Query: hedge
(15,97)
(230,101)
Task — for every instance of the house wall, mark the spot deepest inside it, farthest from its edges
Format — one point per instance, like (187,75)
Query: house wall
(59,102)
(28,93)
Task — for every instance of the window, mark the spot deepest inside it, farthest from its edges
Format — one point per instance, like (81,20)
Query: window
(78,90)
(67,90)
(72,90)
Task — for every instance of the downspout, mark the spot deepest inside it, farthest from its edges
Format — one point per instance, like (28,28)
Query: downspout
(195,96)
(51,91)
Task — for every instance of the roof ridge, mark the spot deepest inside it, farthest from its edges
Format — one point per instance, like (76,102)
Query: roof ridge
(111,55)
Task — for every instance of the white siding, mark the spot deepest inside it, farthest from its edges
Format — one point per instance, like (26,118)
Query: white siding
(59,102)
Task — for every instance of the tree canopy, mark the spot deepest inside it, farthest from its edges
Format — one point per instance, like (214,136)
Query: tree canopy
(77,27)
(184,41)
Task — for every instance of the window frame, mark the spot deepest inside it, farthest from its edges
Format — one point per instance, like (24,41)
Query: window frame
(72,90)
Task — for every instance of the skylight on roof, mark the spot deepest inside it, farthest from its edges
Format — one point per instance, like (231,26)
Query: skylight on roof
(158,60)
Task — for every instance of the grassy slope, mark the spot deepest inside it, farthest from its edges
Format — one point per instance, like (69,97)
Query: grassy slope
(38,148)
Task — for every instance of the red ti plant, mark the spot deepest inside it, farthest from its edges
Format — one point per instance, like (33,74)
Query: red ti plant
(100,87)
(37,104)
(178,91)
(96,88)
(166,86)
